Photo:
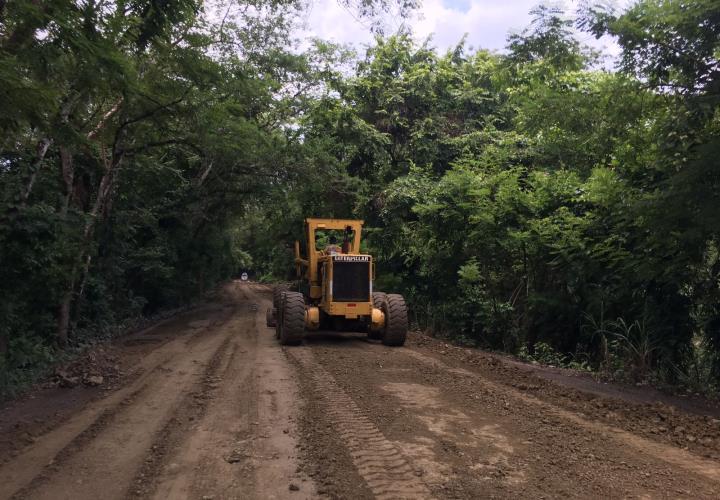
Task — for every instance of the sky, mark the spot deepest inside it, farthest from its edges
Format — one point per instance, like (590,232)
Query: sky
(486,23)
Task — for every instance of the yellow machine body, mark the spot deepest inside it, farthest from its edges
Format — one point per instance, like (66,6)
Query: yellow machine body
(335,289)
(321,280)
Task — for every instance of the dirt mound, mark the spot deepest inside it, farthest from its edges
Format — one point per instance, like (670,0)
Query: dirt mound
(27,419)
(97,366)
(657,420)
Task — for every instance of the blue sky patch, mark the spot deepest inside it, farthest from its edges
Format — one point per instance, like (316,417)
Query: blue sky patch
(459,5)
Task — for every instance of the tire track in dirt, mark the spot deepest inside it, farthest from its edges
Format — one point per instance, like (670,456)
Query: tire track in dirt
(277,469)
(76,445)
(385,470)
(235,448)
(41,458)
(188,457)
(101,458)
(195,457)
(192,407)
(199,416)
(178,433)
(674,456)
(475,440)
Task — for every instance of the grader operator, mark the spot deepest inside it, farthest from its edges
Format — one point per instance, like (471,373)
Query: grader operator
(336,290)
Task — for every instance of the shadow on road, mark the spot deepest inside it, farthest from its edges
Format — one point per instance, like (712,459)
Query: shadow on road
(332,338)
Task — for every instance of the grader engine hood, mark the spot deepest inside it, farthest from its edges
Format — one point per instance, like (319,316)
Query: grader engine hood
(350,278)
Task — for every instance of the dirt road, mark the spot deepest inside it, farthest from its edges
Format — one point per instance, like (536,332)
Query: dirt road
(210,406)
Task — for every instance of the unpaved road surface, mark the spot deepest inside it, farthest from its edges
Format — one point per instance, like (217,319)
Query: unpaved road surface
(209,406)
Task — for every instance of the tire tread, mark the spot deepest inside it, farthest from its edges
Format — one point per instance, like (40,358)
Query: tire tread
(396,320)
(293,318)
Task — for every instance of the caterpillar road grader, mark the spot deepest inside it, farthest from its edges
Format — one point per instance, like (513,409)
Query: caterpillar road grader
(335,289)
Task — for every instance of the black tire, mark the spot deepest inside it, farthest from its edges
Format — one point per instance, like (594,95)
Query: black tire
(278,314)
(293,318)
(277,293)
(270,320)
(396,320)
(377,299)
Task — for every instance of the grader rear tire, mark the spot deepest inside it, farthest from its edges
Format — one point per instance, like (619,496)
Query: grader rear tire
(377,299)
(292,331)
(278,291)
(277,296)
(396,320)
(278,313)
(270,319)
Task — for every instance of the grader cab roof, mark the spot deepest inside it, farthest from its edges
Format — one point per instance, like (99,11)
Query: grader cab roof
(312,225)
(333,223)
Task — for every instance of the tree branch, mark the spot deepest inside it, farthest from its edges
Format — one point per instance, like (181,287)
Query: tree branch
(105,119)
(154,111)
(155,144)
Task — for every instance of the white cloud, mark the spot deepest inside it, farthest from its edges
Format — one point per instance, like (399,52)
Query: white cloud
(486,23)
(328,20)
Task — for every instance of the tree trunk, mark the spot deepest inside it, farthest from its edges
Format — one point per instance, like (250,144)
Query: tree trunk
(205,173)
(64,316)
(42,149)
(84,257)
(65,109)
(101,202)
(68,175)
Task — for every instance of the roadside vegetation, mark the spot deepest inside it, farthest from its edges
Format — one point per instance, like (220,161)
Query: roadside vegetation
(531,201)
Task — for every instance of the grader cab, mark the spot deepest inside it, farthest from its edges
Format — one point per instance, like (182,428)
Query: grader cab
(335,289)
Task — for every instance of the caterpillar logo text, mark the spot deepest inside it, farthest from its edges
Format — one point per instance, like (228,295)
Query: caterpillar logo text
(351,258)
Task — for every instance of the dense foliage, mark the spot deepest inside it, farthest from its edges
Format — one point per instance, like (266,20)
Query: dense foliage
(131,135)
(528,201)
(532,198)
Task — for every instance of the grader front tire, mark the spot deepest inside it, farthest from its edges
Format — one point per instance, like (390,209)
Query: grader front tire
(396,320)
(292,331)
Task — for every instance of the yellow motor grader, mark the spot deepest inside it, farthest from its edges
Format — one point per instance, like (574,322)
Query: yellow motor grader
(336,289)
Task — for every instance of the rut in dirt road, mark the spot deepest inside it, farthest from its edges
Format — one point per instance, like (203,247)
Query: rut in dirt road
(377,460)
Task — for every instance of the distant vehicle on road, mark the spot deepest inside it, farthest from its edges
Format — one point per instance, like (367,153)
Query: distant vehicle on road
(244,276)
